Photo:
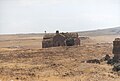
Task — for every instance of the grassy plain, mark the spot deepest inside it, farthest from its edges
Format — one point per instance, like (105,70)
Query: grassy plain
(23,59)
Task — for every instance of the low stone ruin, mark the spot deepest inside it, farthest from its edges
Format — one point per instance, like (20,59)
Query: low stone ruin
(96,61)
(116,67)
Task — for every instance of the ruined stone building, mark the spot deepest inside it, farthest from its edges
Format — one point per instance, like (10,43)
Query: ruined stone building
(116,49)
(60,39)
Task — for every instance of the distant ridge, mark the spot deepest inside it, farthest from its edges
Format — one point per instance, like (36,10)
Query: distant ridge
(99,32)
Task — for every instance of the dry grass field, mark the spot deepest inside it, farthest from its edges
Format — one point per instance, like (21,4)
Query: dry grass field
(23,59)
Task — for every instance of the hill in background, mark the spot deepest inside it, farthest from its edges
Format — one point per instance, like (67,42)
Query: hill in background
(101,32)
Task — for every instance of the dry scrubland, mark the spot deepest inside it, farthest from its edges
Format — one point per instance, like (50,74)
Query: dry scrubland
(23,59)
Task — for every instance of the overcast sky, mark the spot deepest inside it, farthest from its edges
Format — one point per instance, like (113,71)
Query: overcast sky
(37,16)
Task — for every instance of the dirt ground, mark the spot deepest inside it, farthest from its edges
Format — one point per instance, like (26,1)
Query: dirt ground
(23,59)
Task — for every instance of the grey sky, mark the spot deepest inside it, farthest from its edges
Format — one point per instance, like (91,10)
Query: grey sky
(34,16)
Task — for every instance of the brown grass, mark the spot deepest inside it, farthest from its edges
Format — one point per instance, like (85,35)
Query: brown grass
(29,62)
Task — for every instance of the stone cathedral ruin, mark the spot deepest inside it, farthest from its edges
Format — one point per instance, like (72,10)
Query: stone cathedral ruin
(60,39)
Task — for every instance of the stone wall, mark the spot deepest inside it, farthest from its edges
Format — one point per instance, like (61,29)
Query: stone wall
(116,49)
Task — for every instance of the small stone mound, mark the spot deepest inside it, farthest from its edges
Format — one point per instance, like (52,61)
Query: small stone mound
(116,67)
(106,58)
(93,61)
